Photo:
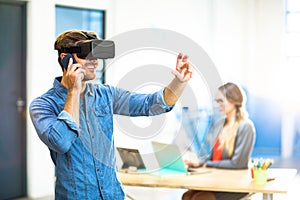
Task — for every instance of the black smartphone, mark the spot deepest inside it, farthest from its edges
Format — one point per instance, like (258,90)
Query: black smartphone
(66,59)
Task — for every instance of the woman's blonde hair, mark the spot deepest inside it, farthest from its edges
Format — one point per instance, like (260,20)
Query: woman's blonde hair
(234,94)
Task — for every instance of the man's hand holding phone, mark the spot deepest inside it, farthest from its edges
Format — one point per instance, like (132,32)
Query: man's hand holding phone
(72,79)
(73,74)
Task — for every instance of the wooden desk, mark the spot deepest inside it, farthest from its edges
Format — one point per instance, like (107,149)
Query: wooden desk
(217,180)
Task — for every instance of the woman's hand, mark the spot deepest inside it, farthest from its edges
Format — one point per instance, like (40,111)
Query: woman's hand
(189,163)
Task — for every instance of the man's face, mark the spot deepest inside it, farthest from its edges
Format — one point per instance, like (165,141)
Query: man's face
(89,66)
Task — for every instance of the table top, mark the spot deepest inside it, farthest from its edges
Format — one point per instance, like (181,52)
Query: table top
(222,180)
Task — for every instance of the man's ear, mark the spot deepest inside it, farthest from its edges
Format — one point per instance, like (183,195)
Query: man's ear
(62,55)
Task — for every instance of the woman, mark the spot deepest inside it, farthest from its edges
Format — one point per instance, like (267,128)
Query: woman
(234,143)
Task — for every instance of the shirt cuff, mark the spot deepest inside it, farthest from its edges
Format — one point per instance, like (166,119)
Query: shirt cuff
(65,116)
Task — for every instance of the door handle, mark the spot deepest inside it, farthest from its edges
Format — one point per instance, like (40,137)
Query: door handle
(20,104)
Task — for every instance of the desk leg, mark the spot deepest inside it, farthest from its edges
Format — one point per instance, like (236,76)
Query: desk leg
(267,196)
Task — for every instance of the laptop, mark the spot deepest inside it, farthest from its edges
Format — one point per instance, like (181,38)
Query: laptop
(170,161)
(132,160)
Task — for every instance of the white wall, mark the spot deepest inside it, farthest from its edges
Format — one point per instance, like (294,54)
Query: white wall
(40,68)
(191,18)
(243,38)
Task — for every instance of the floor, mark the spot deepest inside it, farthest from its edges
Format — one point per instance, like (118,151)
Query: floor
(140,193)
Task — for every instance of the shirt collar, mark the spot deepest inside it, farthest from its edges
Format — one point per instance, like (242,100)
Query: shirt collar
(58,86)
(89,89)
(62,90)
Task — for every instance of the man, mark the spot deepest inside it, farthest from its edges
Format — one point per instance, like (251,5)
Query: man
(75,120)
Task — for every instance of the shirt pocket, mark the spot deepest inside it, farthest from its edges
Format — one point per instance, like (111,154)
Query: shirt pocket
(102,110)
(104,117)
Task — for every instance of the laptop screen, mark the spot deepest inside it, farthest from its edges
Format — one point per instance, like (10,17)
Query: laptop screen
(168,156)
(131,158)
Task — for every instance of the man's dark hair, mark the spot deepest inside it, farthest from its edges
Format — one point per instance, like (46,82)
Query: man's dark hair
(70,38)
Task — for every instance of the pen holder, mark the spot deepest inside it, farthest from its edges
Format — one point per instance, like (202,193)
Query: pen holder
(260,176)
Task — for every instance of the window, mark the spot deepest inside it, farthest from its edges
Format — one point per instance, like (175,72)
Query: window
(292,62)
(293,16)
(83,19)
(292,37)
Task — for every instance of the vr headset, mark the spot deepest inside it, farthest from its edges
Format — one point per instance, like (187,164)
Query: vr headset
(92,49)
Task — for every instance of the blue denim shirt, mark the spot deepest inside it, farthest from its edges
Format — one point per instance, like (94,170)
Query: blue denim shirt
(84,158)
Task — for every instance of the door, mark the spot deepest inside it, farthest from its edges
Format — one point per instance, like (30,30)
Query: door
(12,100)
